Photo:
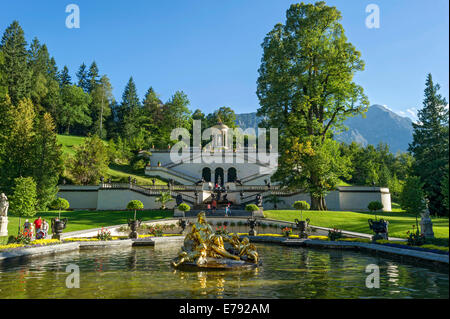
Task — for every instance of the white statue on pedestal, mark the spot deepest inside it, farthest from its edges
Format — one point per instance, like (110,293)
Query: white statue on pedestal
(4,205)
(426,226)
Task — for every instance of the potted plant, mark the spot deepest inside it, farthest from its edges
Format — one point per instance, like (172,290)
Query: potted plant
(134,223)
(184,208)
(380,227)
(164,198)
(58,224)
(251,208)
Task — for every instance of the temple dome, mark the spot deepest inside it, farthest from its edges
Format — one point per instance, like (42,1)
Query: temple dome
(221,126)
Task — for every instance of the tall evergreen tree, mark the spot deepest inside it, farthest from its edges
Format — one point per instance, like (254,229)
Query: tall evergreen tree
(93,77)
(129,111)
(82,76)
(52,70)
(64,77)
(14,48)
(47,157)
(153,107)
(177,113)
(3,81)
(38,63)
(430,145)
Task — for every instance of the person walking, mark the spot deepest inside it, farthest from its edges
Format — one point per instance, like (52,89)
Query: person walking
(214,206)
(228,210)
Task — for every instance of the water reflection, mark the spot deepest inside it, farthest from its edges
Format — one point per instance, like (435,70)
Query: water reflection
(286,272)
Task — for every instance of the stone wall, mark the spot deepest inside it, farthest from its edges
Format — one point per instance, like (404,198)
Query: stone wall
(351,198)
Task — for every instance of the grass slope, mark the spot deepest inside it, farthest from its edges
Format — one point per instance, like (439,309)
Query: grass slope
(115,172)
(399,222)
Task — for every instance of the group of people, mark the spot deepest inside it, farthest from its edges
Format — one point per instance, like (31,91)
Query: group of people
(213,207)
(39,228)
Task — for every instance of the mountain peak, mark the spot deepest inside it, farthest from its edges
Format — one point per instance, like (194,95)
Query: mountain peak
(381,124)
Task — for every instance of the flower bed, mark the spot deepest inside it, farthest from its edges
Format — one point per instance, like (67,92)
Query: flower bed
(34,243)
(91,239)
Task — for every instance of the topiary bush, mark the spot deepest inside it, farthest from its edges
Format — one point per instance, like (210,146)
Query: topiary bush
(301,206)
(251,208)
(184,207)
(135,205)
(375,206)
(60,204)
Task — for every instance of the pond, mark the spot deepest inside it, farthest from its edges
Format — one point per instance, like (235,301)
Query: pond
(287,272)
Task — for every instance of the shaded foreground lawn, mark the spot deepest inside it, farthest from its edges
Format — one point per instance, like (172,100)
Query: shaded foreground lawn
(399,222)
(79,220)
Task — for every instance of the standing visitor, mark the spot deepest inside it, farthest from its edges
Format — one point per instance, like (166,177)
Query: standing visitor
(228,210)
(214,206)
(45,228)
(38,224)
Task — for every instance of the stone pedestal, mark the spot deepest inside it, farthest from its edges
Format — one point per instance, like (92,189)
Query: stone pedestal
(3,226)
(259,213)
(426,227)
(178,213)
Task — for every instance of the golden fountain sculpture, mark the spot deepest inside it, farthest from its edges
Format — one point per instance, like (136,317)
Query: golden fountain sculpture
(203,248)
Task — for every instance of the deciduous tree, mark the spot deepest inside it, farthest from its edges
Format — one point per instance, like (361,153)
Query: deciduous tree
(306,89)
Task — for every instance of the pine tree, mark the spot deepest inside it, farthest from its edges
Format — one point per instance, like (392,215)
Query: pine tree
(14,48)
(64,77)
(47,158)
(52,70)
(93,77)
(153,107)
(430,145)
(129,111)
(3,82)
(82,76)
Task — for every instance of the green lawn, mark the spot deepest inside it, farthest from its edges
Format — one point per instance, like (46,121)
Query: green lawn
(68,143)
(399,222)
(79,220)
(115,172)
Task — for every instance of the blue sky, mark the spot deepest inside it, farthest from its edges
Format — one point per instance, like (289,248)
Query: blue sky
(211,49)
